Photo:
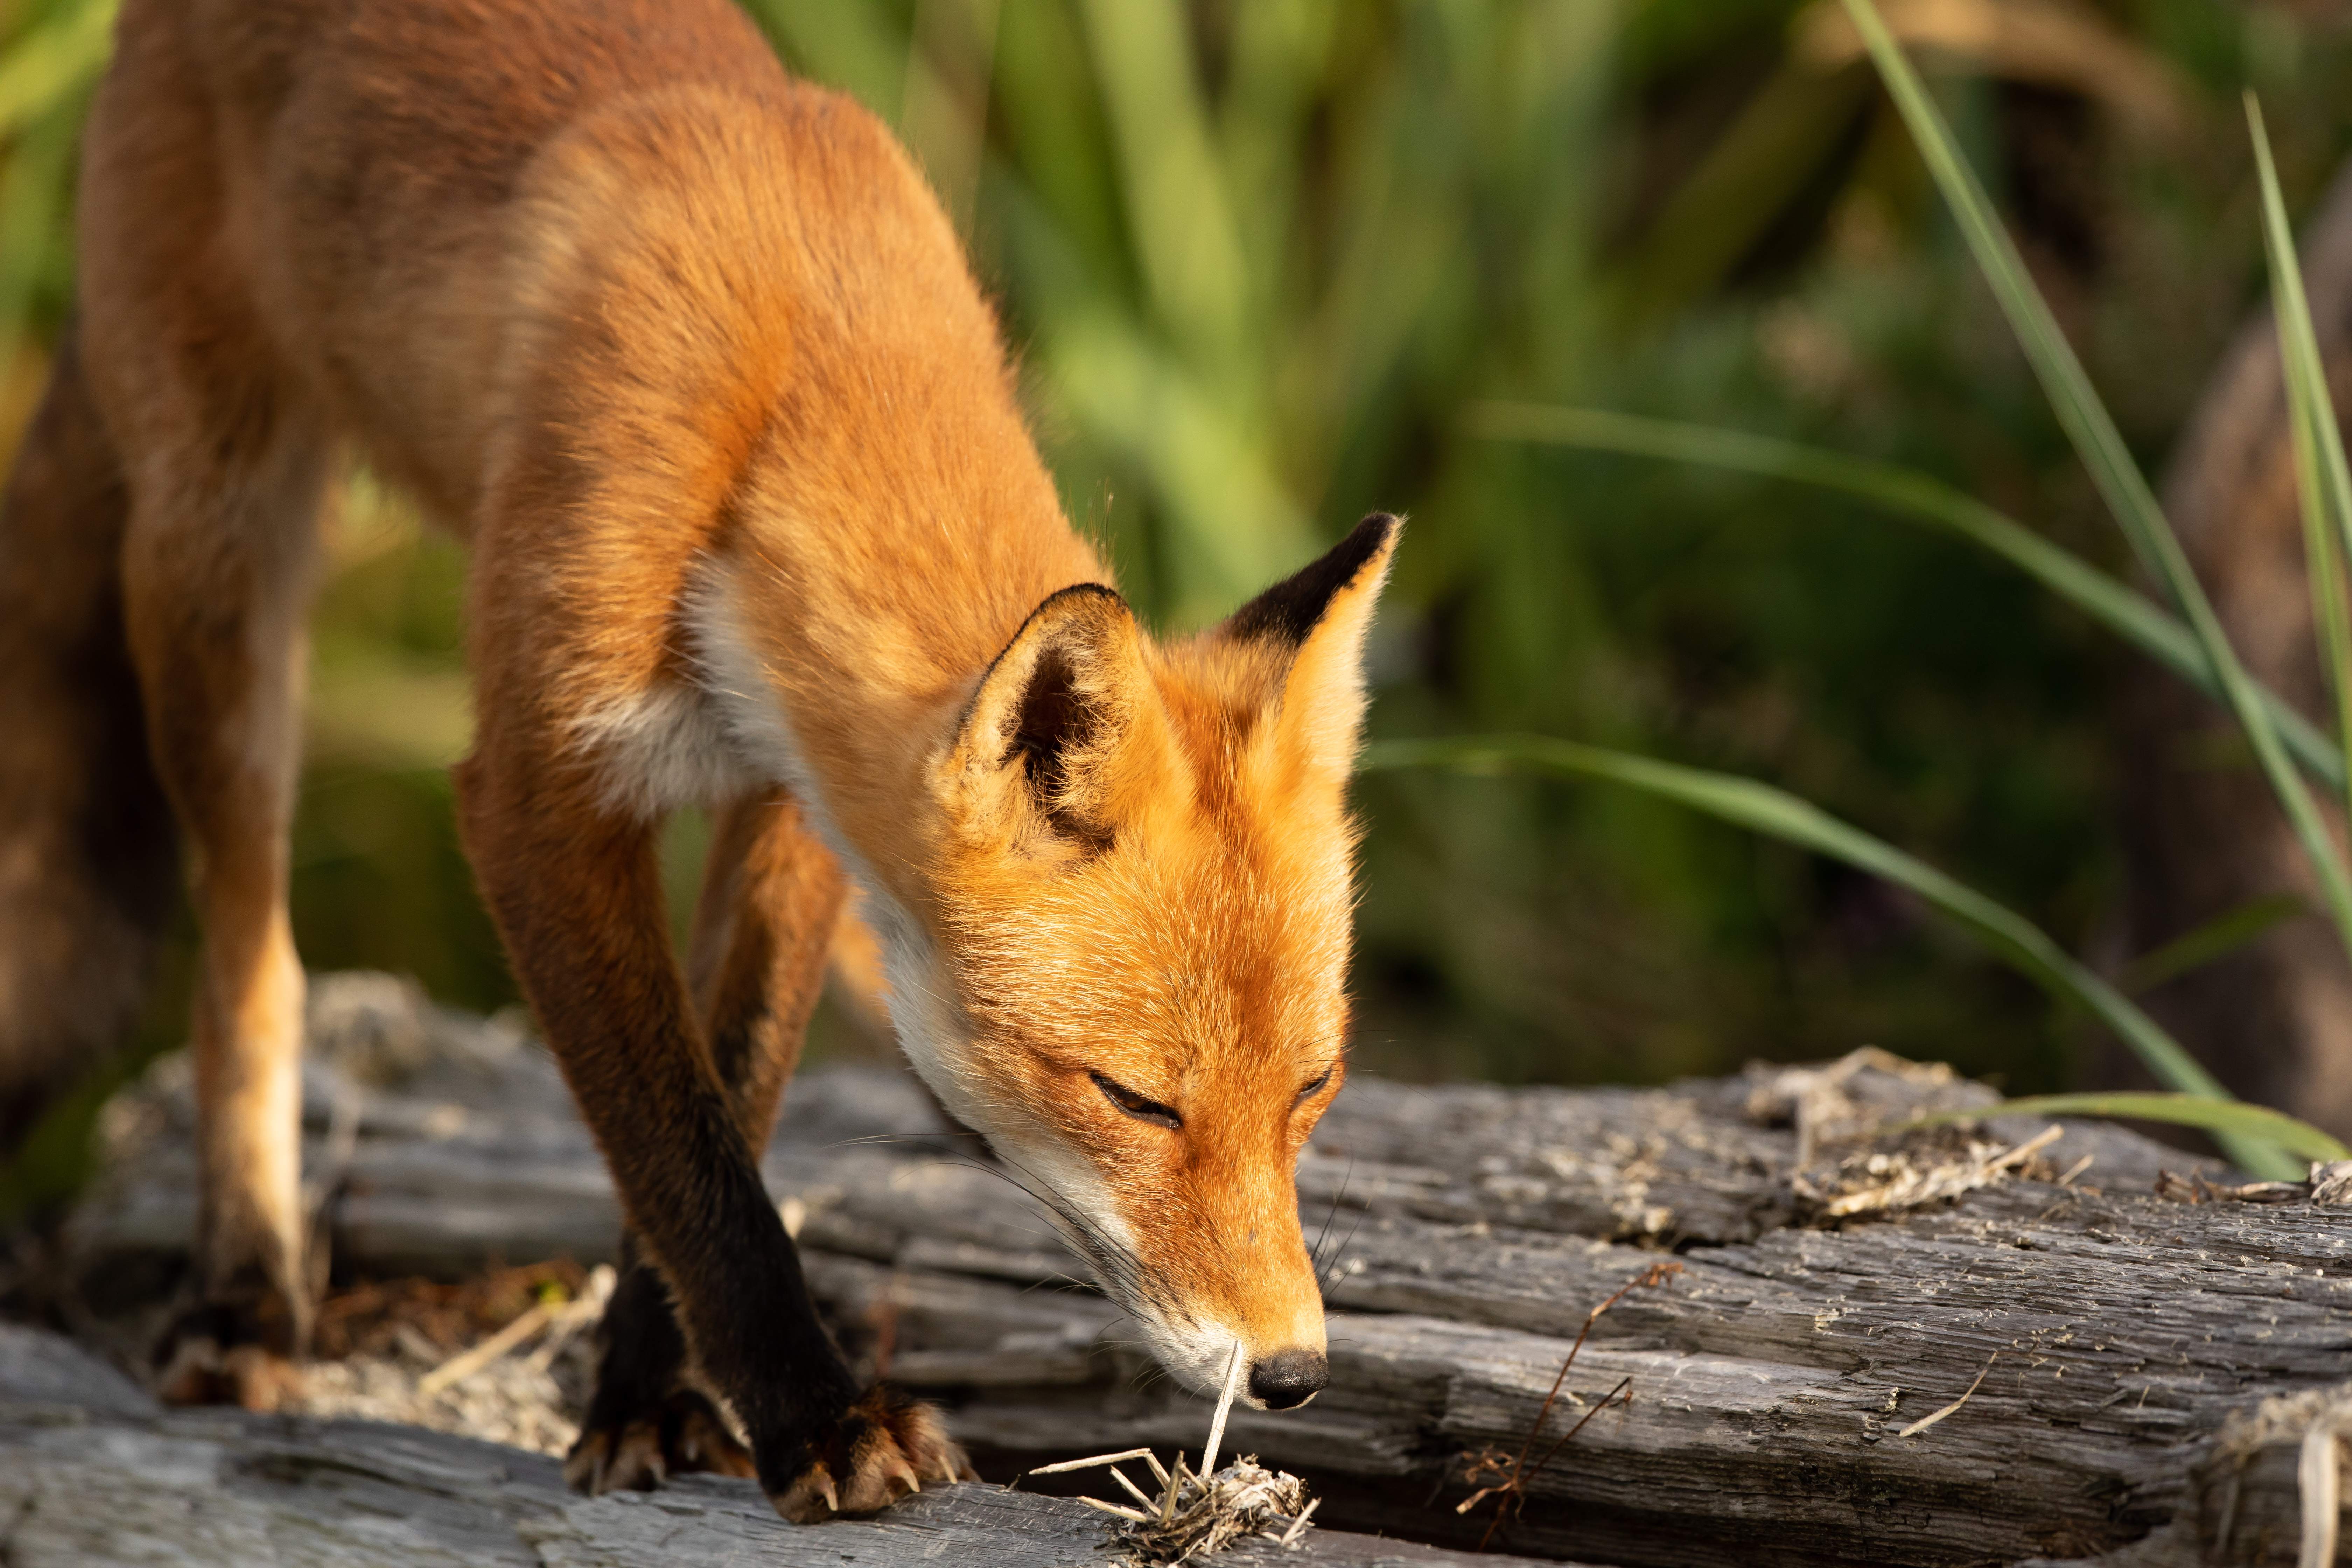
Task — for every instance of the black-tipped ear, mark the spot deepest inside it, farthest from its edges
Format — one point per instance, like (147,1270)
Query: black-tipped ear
(1313,624)
(1291,609)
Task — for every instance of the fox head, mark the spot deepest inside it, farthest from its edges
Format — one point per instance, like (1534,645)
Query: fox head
(1142,884)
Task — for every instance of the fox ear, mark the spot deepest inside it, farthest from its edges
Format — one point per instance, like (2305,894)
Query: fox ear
(1064,723)
(1316,619)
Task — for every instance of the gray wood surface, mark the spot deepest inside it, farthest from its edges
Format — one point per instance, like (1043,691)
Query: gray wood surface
(2123,1349)
(92,1475)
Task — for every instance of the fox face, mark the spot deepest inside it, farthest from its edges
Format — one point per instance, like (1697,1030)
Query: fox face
(1143,897)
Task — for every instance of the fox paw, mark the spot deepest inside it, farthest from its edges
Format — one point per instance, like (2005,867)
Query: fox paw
(681,1433)
(210,1355)
(867,1458)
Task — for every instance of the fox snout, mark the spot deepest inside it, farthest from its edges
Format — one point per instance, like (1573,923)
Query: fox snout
(1185,1206)
(1207,1285)
(1288,1378)
(1280,1369)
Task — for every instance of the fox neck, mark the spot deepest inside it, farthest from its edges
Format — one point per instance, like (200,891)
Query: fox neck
(851,726)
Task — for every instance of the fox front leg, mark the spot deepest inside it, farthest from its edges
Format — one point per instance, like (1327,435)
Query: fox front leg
(574,887)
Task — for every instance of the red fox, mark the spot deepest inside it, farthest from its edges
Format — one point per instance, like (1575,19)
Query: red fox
(687,352)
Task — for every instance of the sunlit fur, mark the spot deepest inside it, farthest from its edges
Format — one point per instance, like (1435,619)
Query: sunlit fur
(690,357)
(1198,961)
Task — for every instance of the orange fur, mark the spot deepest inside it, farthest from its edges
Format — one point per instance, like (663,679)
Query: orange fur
(689,354)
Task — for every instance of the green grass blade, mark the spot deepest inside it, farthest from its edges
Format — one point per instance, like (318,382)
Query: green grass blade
(2323,565)
(2230,1118)
(1764,809)
(35,185)
(2123,609)
(51,63)
(2321,481)
(2077,406)
(2208,944)
(2100,448)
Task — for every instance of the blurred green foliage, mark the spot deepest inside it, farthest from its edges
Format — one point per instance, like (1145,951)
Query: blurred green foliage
(1259,255)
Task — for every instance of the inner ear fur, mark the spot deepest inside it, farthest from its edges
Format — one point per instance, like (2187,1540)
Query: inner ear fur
(1065,725)
(1316,620)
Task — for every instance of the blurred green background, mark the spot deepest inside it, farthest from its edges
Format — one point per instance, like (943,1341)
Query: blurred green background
(1258,256)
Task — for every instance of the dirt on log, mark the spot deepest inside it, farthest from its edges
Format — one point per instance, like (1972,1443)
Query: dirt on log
(2113,1375)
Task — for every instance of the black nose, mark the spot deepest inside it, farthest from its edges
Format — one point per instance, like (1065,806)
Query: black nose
(1288,1378)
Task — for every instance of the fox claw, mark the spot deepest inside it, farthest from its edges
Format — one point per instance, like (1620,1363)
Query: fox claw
(869,1456)
(677,1435)
(231,1352)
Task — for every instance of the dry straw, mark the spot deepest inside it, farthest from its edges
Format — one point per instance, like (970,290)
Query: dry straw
(1198,1513)
(564,1320)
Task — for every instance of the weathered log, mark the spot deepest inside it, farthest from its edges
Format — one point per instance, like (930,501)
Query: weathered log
(2140,1374)
(92,1474)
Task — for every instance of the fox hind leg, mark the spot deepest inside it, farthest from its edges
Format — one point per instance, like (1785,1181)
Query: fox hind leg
(216,568)
(224,454)
(771,897)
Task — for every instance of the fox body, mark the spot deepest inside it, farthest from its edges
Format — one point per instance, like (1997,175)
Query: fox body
(689,354)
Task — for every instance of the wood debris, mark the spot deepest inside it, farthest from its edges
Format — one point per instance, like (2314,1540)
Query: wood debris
(1910,1177)
(1470,1222)
(1859,1152)
(2331,1181)
(2330,1185)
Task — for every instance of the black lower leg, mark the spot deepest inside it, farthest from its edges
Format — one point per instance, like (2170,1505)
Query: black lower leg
(642,1354)
(754,1327)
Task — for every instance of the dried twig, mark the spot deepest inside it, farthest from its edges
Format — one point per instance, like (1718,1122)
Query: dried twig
(594,1296)
(1136,1492)
(2194,1189)
(1926,1421)
(1512,1473)
(1624,1386)
(562,1318)
(1225,1408)
(1096,1463)
(1126,1514)
(465,1363)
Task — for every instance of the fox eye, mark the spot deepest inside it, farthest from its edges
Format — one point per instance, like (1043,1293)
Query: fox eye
(1135,1105)
(1312,1090)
